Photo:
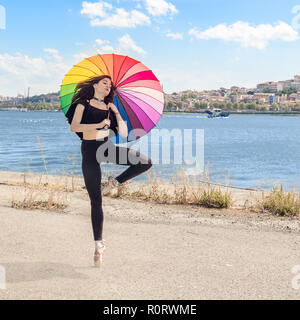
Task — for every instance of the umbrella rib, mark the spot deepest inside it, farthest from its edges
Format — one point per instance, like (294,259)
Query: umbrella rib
(140,86)
(125,103)
(144,102)
(127,70)
(128,85)
(120,105)
(84,68)
(95,65)
(76,75)
(138,73)
(120,71)
(123,90)
(140,109)
(67,106)
(105,66)
(66,93)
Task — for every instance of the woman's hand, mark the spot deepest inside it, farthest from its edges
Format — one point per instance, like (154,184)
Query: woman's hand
(113,108)
(105,122)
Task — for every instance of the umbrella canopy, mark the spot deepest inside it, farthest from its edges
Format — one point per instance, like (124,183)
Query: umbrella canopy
(139,96)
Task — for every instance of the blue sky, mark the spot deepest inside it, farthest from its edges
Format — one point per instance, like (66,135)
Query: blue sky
(188,44)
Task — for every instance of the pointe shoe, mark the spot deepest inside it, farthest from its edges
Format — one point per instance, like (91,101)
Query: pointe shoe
(100,247)
(111,184)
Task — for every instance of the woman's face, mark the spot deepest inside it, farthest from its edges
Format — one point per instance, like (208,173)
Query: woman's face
(103,86)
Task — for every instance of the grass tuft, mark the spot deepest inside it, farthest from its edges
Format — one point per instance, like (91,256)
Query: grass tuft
(280,203)
(215,198)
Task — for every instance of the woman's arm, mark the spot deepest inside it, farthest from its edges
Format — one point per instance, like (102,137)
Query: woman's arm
(76,126)
(122,127)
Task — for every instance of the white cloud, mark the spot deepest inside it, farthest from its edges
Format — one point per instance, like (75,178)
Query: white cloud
(247,35)
(123,19)
(82,55)
(45,73)
(53,54)
(175,36)
(119,19)
(42,74)
(160,7)
(96,9)
(106,49)
(127,45)
(101,42)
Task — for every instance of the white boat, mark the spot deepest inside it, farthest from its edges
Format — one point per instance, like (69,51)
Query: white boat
(217,113)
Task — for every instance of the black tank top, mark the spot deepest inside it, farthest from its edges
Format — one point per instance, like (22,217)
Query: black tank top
(92,115)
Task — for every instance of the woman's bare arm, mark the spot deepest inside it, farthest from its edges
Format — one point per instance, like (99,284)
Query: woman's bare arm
(76,126)
(122,127)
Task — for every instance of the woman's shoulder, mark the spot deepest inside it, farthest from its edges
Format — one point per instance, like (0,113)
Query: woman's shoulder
(73,107)
(83,102)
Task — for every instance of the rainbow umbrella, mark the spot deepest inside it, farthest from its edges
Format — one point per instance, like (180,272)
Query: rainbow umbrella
(139,96)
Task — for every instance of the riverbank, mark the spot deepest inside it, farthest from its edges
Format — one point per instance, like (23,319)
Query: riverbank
(154,251)
(18,186)
(175,112)
(240,112)
(241,198)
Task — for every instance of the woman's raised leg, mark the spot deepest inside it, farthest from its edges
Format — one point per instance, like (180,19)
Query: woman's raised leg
(137,162)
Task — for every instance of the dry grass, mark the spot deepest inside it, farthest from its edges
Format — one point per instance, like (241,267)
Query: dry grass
(280,203)
(33,199)
(182,191)
(42,196)
(215,198)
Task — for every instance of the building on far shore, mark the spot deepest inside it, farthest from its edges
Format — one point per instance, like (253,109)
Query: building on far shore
(3,99)
(279,85)
(271,85)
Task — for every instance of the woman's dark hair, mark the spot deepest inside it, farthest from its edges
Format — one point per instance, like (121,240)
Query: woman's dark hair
(85,90)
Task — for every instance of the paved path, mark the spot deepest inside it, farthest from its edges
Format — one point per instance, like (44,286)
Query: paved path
(158,252)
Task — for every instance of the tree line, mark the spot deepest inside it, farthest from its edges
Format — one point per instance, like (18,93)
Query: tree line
(201,106)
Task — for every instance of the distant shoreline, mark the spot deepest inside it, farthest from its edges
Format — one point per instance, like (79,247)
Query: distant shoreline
(176,112)
(243,112)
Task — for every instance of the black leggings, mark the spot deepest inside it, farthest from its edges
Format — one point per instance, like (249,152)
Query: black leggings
(93,153)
